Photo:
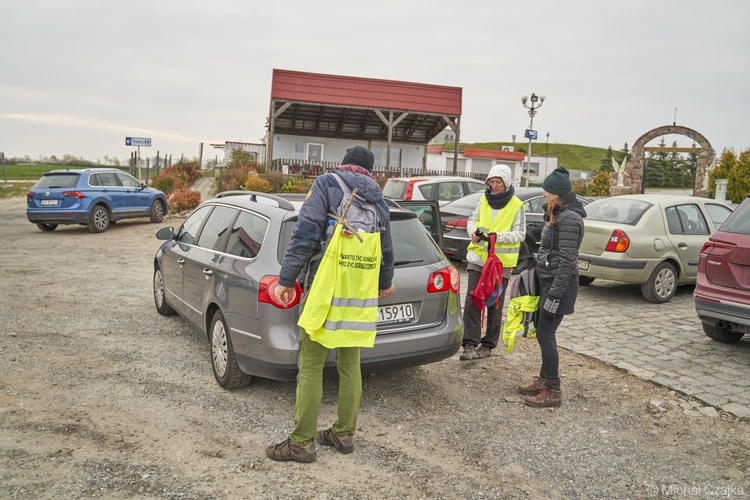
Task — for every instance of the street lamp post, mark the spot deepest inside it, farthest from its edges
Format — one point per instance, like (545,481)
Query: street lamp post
(546,154)
(536,103)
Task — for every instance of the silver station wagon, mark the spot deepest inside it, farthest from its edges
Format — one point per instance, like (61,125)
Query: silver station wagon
(216,271)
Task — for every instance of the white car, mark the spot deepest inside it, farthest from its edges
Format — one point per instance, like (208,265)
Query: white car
(442,189)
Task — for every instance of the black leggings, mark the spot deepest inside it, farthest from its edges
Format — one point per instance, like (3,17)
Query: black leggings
(545,335)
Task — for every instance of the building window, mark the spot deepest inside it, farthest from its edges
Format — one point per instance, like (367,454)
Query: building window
(314,152)
(381,152)
(299,151)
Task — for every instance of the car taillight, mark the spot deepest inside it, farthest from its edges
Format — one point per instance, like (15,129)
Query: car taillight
(30,194)
(73,194)
(444,280)
(265,295)
(409,190)
(618,242)
(456,224)
(703,256)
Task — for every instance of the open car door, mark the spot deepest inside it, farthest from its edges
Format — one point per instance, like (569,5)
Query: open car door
(428,213)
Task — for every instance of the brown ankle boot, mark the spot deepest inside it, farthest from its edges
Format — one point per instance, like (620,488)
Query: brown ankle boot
(534,387)
(546,398)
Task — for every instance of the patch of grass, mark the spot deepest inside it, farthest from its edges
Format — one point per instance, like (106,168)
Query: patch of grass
(571,155)
(13,189)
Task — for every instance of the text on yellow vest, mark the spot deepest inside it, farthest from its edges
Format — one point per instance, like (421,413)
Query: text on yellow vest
(341,309)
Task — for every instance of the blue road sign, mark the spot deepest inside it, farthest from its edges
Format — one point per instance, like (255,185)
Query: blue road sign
(138,141)
(530,134)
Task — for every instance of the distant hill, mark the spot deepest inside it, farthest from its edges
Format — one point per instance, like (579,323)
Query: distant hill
(572,156)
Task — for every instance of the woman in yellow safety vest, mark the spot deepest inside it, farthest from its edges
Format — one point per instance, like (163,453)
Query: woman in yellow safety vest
(499,211)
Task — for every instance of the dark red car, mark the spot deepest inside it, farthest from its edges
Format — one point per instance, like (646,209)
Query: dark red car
(722,289)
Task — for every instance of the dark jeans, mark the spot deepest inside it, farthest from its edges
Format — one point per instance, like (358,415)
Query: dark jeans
(545,335)
(473,317)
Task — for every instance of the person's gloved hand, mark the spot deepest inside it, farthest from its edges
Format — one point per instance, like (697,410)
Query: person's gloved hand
(549,308)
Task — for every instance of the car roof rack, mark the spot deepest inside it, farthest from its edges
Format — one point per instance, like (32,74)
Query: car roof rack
(254,195)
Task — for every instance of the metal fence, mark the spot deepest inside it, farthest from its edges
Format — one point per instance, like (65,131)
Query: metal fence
(304,169)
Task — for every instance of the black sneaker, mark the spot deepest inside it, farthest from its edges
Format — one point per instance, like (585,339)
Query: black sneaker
(483,351)
(286,450)
(343,444)
(470,352)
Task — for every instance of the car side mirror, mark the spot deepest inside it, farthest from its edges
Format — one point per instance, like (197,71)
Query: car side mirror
(143,185)
(165,233)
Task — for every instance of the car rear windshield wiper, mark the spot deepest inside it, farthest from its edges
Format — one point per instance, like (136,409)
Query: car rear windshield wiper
(403,262)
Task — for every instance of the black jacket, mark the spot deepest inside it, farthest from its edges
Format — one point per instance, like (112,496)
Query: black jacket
(556,265)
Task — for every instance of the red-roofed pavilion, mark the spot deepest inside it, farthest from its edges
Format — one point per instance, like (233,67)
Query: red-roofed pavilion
(362,109)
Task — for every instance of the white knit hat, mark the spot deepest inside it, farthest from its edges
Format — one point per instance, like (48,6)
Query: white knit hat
(502,171)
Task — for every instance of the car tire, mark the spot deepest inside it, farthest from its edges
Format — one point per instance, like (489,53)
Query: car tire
(720,334)
(45,226)
(661,285)
(99,219)
(157,211)
(585,280)
(223,359)
(524,257)
(160,298)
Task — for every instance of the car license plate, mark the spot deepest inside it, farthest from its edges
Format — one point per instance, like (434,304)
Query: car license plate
(46,203)
(583,265)
(396,313)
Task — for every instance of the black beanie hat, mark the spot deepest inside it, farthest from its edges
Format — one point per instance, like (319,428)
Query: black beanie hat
(359,156)
(558,182)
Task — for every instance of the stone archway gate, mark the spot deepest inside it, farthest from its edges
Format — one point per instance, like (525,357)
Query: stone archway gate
(634,169)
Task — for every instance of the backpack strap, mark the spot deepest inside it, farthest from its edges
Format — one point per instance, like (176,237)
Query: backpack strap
(330,224)
(348,193)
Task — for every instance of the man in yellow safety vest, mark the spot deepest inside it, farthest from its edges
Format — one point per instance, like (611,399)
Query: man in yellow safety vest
(338,308)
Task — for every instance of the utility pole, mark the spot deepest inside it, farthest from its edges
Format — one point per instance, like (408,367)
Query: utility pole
(5,174)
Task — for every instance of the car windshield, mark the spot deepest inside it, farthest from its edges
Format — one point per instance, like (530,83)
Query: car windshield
(412,244)
(394,190)
(469,201)
(739,221)
(615,209)
(61,180)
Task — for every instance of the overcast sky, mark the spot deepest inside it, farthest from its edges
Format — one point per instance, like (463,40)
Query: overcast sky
(78,76)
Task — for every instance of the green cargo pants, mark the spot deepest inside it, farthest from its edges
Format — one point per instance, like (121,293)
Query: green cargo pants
(312,357)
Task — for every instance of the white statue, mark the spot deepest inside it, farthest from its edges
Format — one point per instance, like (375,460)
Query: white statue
(707,176)
(620,169)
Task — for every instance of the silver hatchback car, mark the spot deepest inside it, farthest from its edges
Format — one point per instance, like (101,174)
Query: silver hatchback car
(217,269)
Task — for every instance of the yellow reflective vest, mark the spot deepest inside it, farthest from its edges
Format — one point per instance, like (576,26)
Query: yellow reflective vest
(514,319)
(506,252)
(341,309)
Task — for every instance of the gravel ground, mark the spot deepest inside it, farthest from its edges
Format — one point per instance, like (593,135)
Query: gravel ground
(101,397)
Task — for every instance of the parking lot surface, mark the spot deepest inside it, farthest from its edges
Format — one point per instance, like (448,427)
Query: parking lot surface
(101,397)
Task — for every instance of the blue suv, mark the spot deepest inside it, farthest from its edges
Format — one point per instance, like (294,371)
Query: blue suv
(95,197)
